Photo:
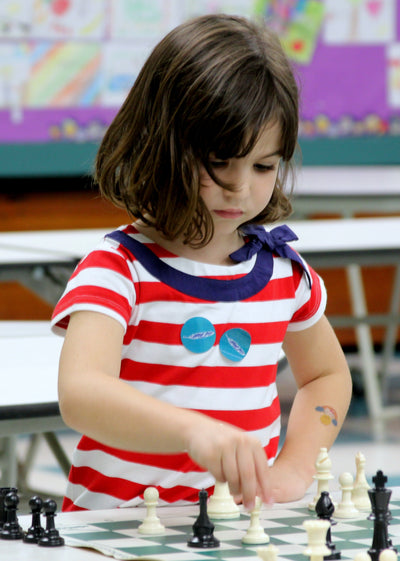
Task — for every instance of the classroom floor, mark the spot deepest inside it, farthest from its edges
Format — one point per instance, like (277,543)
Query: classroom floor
(47,479)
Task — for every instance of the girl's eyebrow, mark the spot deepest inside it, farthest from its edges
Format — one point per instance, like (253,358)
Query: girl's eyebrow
(276,153)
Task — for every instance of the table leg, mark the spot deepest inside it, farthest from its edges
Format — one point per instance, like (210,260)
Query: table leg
(389,343)
(366,349)
(8,461)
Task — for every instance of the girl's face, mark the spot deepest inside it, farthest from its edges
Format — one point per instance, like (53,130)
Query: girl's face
(252,179)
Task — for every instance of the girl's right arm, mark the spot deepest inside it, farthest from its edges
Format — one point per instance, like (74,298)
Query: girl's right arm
(95,402)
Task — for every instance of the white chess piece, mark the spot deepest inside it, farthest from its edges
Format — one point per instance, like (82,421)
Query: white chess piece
(151,524)
(388,555)
(323,475)
(255,533)
(267,552)
(316,539)
(221,504)
(346,508)
(362,556)
(359,494)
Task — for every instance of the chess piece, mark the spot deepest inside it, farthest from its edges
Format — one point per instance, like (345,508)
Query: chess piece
(324,509)
(3,492)
(316,535)
(203,528)
(388,555)
(11,529)
(359,494)
(221,504)
(255,533)
(362,556)
(346,508)
(151,524)
(51,536)
(35,531)
(268,552)
(323,475)
(380,497)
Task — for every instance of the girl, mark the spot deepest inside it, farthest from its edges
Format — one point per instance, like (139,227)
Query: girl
(174,323)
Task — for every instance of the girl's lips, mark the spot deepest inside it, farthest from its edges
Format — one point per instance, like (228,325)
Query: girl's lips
(229,213)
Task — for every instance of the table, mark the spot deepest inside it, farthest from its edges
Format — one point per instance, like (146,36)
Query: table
(336,243)
(28,399)
(40,260)
(347,190)
(118,529)
(352,243)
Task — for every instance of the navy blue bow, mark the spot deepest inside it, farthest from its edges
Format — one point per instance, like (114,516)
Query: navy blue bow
(258,237)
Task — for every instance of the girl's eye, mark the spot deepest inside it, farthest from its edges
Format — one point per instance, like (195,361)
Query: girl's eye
(264,167)
(218,163)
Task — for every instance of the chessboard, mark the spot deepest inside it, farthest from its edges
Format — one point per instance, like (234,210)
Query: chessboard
(116,534)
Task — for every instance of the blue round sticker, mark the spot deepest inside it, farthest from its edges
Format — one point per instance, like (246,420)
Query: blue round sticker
(198,335)
(235,344)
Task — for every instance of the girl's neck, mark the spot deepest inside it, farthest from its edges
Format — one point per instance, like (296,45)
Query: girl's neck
(216,252)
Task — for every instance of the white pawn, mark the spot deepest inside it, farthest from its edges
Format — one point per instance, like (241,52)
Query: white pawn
(151,524)
(268,552)
(221,504)
(316,539)
(362,556)
(255,533)
(388,555)
(359,494)
(323,475)
(346,508)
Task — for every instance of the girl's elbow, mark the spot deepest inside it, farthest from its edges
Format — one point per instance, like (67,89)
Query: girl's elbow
(69,407)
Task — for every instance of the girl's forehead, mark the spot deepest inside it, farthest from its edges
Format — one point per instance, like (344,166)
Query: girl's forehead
(263,141)
(268,142)
(269,136)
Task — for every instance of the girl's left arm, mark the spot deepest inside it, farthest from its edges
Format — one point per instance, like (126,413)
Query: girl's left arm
(318,410)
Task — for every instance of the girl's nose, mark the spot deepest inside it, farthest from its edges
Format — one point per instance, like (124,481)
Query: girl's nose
(240,184)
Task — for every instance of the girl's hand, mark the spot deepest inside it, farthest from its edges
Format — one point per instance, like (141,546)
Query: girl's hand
(288,482)
(234,456)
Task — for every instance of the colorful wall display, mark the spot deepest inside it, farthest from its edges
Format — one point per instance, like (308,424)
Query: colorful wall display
(67,65)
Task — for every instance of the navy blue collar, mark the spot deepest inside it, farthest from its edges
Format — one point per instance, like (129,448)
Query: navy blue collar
(260,242)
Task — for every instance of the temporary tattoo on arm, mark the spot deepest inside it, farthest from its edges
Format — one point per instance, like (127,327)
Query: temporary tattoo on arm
(328,415)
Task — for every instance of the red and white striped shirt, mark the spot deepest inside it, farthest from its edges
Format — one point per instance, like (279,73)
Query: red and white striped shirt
(223,365)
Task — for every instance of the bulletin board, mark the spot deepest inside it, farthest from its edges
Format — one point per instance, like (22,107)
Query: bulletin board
(67,65)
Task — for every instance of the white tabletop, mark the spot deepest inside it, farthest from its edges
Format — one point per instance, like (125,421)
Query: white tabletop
(29,363)
(11,256)
(341,234)
(347,234)
(71,244)
(358,181)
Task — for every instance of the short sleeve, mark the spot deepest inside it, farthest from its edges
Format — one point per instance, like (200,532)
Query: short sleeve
(310,303)
(102,282)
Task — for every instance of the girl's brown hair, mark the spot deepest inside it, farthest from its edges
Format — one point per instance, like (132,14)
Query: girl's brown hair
(210,86)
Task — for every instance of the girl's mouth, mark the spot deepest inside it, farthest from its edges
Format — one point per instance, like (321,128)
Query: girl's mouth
(229,213)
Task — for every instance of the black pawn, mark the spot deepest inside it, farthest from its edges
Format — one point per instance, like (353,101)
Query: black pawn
(380,497)
(203,528)
(11,529)
(324,509)
(3,492)
(35,531)
(51,537)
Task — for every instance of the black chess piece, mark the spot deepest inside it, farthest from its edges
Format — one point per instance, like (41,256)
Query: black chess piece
(324,509)
(203,528)
(3,492)
(51,536)
(380,497)
(36,530)
(11,529)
